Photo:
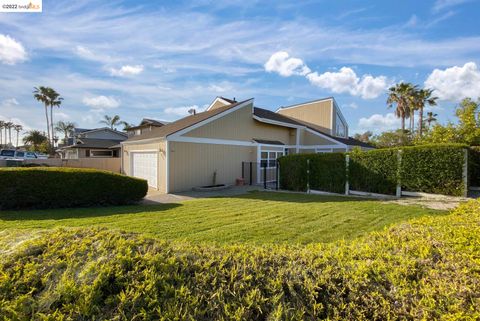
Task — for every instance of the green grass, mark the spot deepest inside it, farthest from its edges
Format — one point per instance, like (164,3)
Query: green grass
(258,217)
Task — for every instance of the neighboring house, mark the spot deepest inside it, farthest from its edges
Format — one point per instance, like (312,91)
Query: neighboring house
(98,142)
(145,125)
(190,151)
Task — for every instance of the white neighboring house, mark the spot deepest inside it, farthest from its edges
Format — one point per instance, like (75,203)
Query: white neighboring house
(93,143)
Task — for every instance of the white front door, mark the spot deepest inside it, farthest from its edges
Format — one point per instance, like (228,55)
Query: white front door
(145,165)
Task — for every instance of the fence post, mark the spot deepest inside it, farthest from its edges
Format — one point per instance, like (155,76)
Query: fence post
(347,185)
(277,181)
(265,176)
(243,170)
(308,176)
(398,192)
(251,173)
(465,172)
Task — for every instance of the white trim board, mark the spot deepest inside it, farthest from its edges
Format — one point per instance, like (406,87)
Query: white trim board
(304,104)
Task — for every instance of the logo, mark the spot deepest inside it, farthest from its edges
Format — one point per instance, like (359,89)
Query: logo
(20,5)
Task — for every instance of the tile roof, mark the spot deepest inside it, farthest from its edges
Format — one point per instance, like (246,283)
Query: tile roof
(182,123)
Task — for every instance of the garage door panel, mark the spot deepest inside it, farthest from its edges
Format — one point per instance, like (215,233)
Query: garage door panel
(145,165)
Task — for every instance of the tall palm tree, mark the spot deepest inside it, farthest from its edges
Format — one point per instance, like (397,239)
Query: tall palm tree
(18,129)
(423,97)
(34,138)
(431,117)
(50,98)
(8,126)
(112,122)
(42,94)
(2,124)
(66,128)
(401,96)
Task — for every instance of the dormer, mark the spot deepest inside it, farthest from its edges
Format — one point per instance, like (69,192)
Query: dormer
(220,101)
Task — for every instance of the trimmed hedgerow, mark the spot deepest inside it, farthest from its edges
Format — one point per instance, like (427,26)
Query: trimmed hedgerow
(66,187)
(474,166)
(327,172)
(427,269)
(373,171)
(433,169)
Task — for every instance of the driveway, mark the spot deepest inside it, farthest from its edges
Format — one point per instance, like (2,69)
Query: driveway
(155,197)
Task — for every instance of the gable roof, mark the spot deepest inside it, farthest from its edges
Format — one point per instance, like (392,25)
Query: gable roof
(221,99)
(268,114)
(94,143)
(146,122)
(183,123)
(78,131)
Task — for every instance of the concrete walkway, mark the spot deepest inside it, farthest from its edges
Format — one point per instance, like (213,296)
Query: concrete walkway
(155,197)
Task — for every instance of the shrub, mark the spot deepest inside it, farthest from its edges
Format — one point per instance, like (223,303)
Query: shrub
(433,169)
(427,269)
(374,171)
(327,172)
(66,187)
(474,165)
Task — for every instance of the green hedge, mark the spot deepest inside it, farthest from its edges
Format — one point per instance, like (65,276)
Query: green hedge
(426,269)
(327,172)
(434,169)
(373,171)
(474,166)
(66,187)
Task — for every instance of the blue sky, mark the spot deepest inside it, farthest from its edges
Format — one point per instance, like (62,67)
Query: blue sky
(157,59)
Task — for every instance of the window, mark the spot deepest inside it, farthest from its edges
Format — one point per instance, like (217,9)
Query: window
(340,129)
(101,153)
(20,154)
(7,153)
(269,158)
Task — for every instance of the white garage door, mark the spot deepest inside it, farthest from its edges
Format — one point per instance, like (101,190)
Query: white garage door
(145,165)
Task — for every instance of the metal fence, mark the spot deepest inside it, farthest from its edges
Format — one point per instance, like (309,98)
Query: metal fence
(261,173)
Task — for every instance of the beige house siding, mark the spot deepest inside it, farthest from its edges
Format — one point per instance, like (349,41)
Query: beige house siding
(308,138)
(318,113)
(193,164)
(159,147)
(239,125)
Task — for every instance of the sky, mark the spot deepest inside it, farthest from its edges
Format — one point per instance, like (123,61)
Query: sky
(158,59)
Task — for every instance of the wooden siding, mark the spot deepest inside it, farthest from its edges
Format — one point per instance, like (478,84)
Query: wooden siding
(159,147)
(318,113)
(308,138)
(240,125)
(218,104)
(193,164)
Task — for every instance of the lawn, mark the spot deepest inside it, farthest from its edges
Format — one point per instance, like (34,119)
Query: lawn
(258,217)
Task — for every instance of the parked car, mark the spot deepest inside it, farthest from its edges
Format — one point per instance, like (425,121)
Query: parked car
(20,154)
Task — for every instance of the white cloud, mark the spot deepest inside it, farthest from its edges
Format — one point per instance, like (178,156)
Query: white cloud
(127,70)
(352,105)
(11,51)
(281,63)
(180,111)
(379,122)
(9,102)
(455,83)
(100,102)
(347,81)
(442,4)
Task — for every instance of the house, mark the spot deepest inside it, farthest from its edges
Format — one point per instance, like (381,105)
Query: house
(98,142)
(145,125)
(191,151)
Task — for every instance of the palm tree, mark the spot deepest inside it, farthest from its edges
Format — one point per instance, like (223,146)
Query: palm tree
(2,124)
(34,138)
(41,94)
(8,126)
(66,128)
(18,129)
(401,95)
(111,121)
(50,98)
(126,125)
(431,117)
(423,97)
